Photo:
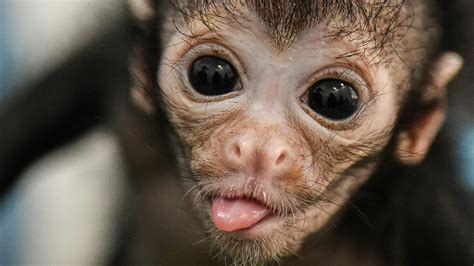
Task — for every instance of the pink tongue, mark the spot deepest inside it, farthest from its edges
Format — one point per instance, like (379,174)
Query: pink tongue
(234,214)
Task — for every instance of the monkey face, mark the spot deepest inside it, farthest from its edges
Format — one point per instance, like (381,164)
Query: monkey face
(277,131)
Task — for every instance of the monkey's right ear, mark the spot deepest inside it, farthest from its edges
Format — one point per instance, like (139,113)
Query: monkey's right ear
(141,91)
(143,12)
(415,140)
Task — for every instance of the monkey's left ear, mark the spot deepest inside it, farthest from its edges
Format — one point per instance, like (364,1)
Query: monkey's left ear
(415,141)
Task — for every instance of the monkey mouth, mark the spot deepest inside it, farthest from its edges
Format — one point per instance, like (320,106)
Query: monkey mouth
(239,214)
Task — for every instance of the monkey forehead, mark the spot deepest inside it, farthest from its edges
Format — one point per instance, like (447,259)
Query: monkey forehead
(371,24)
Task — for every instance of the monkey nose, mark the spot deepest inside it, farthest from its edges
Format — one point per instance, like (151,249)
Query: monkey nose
(251,155)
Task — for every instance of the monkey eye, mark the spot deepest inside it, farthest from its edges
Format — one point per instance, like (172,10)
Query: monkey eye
(212,76)
(333,99)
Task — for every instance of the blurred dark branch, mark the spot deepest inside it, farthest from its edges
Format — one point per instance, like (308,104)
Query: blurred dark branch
(63,104)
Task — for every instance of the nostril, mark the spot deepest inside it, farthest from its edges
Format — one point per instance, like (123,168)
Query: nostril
(240,151)
(237,151)
(281,158)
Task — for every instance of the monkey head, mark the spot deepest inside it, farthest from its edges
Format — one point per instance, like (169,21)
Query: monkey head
(282,109)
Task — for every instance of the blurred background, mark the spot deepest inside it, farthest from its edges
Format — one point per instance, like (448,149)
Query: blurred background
(47,210)
(56,215)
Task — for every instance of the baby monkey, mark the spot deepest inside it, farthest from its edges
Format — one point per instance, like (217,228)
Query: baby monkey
(293,122)
(285,111)
(283,132)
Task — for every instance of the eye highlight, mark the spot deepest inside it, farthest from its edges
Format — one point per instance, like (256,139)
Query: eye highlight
(212,76)
(332,98)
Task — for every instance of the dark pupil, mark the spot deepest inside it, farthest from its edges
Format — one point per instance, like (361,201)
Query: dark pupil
(333,99)
(210,75)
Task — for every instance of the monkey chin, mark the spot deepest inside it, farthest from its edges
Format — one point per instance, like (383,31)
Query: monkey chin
(267,241)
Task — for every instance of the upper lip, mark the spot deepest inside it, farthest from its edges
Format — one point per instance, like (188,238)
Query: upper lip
(253,192)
